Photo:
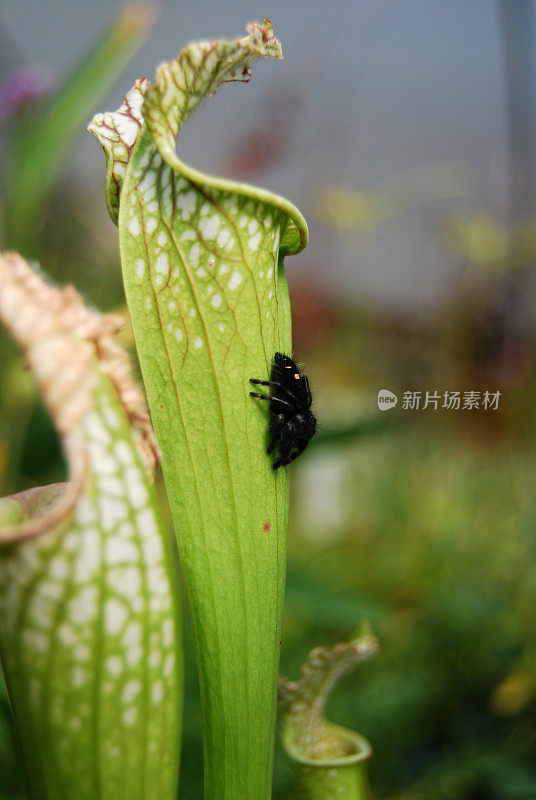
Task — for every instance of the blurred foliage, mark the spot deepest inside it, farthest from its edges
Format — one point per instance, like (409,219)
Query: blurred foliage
(349,209)
(486,243)
(55,222)
(481,240)
(42,136)
(439,553)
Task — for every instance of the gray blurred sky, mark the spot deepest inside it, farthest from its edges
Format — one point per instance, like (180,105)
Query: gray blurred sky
(367,89)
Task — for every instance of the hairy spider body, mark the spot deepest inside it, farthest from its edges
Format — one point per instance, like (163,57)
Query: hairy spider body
(293,424)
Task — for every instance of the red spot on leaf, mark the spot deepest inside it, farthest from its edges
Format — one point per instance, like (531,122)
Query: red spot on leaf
(267,525)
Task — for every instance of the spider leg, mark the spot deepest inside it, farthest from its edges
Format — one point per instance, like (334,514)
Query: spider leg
(285,389)
(296,453)
(276,428)
(276,385)
(285,444)
(273,399)
(301,436)
(281,461)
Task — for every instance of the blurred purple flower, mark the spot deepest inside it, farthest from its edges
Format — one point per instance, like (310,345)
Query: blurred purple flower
(21,89)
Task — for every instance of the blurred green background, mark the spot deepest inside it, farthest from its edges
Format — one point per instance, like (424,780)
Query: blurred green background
(421,521)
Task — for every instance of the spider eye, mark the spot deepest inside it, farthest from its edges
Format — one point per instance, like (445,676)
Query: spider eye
(297,375)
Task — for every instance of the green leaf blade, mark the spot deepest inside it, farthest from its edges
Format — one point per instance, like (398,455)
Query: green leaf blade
(206,288)
(207,323)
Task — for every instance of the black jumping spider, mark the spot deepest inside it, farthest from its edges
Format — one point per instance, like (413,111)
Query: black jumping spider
(293,424)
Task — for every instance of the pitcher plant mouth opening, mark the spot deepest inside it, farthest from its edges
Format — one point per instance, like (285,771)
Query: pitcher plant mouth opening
(353,748)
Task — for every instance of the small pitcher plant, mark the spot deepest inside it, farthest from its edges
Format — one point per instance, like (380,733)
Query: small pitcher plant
(90,630)
(329,761)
